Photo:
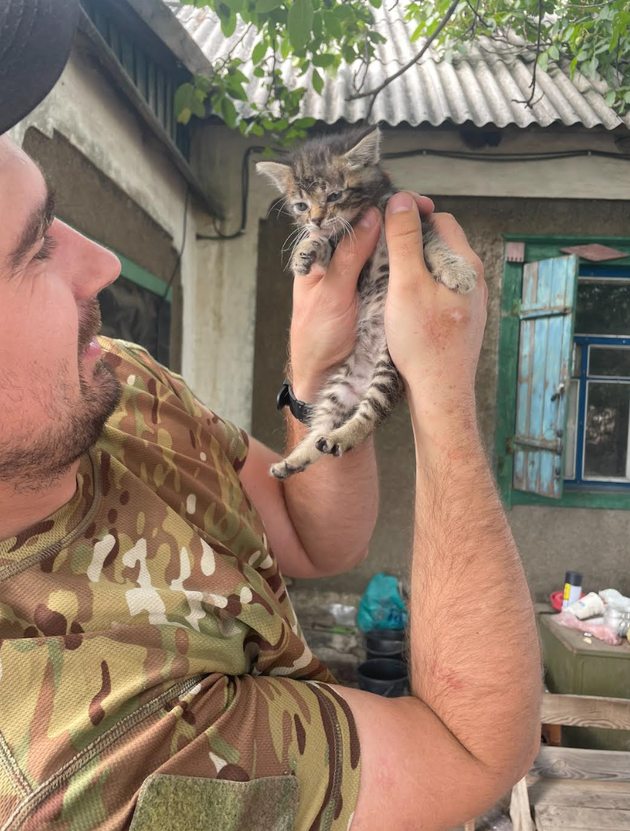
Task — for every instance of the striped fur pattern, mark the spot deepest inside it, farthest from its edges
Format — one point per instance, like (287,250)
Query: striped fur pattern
(328,184)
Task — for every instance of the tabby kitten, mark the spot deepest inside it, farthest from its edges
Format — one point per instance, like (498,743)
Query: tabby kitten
(328,184)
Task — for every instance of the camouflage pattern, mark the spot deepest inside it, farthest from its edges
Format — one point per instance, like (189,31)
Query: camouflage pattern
(147,638)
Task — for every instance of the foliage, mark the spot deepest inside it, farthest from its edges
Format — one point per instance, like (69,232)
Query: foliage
(317,35)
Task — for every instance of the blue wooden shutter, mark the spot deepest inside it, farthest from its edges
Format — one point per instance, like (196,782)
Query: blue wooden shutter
(545,348)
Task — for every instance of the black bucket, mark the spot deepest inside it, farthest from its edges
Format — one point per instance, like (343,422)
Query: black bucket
(384,676)
(385,643)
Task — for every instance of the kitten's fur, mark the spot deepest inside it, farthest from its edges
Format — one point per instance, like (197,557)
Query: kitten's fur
(362,391)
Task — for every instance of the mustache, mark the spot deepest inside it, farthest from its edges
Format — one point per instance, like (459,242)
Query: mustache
(89,324)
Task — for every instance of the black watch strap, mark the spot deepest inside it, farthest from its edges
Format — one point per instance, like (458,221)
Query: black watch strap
(298,409)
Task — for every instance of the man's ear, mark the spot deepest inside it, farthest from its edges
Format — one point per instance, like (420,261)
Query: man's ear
(280,174)
(365,152)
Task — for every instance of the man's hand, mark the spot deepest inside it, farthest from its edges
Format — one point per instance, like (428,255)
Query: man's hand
(325,304)
(434,334)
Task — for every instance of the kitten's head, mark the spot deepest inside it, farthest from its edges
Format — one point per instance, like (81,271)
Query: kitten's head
(330,181)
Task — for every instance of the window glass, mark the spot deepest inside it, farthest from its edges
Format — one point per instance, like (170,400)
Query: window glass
(133,313)
(610,361)
(603,307)
(606,431)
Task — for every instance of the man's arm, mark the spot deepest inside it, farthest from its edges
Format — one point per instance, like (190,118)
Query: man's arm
(471,727)
(320,522)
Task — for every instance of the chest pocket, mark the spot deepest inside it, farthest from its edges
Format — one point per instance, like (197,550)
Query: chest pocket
(188,803)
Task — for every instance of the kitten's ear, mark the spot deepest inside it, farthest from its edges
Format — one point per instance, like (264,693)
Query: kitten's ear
(365,152)
(280,174)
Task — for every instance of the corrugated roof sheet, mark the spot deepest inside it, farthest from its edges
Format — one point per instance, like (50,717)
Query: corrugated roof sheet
(487,86)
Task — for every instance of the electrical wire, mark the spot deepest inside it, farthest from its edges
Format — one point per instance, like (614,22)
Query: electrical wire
(447,154)
(244,197)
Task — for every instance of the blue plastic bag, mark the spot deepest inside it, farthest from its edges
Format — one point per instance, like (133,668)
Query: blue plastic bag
(381,606)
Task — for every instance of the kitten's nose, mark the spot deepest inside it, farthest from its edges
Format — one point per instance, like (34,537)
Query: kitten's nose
(317,220)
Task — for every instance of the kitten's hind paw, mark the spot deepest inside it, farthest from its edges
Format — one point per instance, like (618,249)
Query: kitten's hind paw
(457,275)
(324,445)
(283,470)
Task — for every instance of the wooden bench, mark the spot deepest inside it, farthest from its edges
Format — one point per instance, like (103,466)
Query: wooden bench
(573,789)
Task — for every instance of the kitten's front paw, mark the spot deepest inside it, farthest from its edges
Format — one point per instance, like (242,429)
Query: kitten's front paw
(456,274)
(308,252)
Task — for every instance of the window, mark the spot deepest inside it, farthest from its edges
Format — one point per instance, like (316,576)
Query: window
(135,308)
(598,426)
(563,408)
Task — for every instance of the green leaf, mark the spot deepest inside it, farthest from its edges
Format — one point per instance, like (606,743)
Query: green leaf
(376,3)
(610,97)
(257,130)
(333,24)
(318,26)
(345,13)
(233,5)
(228,111)
(184,99)
(349,55)
(198,108)
(300,23)
(285,48)
(323,60)
(304,123)
(553,52)
(184,115)
(228,25)
(318,82)
(259,72)
(543,61)
(418,31)
(263,6)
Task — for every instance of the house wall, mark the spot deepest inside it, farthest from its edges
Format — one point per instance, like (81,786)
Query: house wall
(550,539)
(223,314)
(114,178)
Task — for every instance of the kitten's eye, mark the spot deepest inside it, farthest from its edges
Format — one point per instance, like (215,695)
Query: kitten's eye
(300,207)
(333,197)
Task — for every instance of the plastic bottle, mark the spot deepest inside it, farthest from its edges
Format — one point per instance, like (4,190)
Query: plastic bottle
(572,588)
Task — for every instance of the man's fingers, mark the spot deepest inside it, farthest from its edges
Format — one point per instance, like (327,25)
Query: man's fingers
(425,205)
(404,240)
(354,250)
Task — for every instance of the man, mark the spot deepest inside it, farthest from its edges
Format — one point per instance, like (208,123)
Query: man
(152,672)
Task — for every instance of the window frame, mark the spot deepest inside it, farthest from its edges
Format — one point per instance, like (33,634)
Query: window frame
(539,247)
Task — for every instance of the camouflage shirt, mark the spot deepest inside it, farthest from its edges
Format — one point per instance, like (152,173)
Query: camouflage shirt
(152,672)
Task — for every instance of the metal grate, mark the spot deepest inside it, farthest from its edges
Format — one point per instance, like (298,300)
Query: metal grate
(156,83)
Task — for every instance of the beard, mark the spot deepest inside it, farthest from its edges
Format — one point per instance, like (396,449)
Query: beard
(32,463)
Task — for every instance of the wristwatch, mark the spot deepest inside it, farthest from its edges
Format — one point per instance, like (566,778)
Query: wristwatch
(298,409)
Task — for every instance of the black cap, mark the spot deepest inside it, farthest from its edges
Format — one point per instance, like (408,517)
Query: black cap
(35,41)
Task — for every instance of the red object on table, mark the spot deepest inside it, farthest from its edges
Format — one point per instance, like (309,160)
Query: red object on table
(555,598)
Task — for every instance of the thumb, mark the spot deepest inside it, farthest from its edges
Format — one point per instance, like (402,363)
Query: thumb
(403,230)
(354,250)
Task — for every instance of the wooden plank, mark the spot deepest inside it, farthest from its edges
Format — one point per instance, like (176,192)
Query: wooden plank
(571,763)
(586,711)
(581,794)
(520,812)
(580,819)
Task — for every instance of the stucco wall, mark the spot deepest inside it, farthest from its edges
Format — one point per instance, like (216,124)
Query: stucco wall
(219,345)
(550,539)
(115,179)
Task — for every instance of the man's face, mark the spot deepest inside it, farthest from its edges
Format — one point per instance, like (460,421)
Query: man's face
(55,390)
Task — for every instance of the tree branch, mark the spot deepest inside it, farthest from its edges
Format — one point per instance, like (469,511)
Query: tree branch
(528,103)
(374,92)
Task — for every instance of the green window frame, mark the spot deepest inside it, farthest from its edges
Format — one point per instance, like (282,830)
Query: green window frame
(537,247)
